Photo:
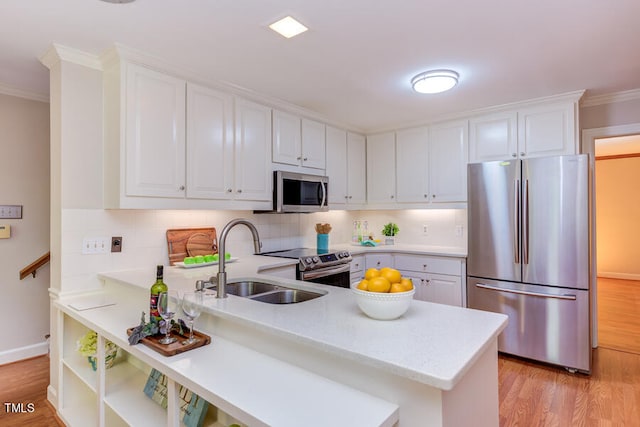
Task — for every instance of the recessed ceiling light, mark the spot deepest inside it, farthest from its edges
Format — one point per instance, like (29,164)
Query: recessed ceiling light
(288,27)
(434,81)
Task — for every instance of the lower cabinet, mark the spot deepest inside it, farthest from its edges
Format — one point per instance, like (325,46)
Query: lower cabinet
(357,268)
(115,396)
(436,279)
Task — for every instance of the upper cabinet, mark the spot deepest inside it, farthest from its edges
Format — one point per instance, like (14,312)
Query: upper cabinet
(431,163)
(541,129)
(346,166)
(381,168)
(154,134)
(170,144)
(298,141)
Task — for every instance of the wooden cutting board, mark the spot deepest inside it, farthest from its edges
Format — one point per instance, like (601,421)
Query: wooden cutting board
(183,242)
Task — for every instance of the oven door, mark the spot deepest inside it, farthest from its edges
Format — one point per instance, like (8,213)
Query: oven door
(334,276)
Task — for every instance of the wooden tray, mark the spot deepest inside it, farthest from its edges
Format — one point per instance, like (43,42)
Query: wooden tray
(175,347)
(183,242)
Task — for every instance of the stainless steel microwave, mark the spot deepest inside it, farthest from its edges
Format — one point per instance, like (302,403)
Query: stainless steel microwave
(299,192)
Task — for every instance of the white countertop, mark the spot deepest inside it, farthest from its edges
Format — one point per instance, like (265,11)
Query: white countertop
(432,343)
(403,248)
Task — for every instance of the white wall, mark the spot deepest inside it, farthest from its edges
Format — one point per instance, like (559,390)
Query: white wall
(24,180)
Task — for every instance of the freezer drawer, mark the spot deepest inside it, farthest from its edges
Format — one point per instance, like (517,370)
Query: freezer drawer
(545,323)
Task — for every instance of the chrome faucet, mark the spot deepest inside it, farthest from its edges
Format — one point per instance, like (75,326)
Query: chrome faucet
(222,274)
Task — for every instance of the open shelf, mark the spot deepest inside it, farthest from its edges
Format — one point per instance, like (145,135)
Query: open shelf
(78,400)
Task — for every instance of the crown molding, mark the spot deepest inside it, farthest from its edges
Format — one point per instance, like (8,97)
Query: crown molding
(610,98)
(6,89)
(57,53)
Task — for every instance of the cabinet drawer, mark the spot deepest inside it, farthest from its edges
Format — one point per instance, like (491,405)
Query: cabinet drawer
(357,264)
(429,264)
(378,261)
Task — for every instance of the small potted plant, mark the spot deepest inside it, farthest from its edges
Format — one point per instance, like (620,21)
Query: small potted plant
(88,347)
(389,231)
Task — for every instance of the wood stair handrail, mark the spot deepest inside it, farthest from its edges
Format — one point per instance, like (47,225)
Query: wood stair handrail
(31,268)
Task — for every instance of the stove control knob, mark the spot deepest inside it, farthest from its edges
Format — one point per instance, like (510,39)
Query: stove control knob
(307,260)
(316,259)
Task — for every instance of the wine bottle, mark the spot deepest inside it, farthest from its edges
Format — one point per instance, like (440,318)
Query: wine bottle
(156,289)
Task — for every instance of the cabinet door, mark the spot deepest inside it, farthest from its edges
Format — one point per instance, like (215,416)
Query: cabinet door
(444,289)
(448,153)
(313,144)
(419,281)
(287,138)
(209,143)
(356,169)
(547,130)
(412,167)
(252,177)
(337,166)
(378,261)
(493,137)
(381,168)
(155,134)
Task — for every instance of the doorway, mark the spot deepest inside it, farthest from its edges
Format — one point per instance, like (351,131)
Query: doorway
(615,273)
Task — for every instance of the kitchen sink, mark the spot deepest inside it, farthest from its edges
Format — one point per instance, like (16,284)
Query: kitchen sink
(286,296)
(247,288)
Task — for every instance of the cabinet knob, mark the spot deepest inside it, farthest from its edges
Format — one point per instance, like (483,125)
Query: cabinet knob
(346,197)
(350,196)
(514,155)
(392,196)
(522,154)
(239,190)
(426,281)
(229,190)
(182,188)
(433,196)
(298,158)
(424,266)
(305,159)
(426,196)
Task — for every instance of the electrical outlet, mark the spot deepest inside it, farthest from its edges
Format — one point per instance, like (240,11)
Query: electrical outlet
(458,231)
(425,229)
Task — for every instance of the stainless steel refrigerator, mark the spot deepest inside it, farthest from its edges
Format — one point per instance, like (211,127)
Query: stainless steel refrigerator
(528,255)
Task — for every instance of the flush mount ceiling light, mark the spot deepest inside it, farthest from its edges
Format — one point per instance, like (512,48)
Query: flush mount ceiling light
(118,1)
(288,27)
(434,81)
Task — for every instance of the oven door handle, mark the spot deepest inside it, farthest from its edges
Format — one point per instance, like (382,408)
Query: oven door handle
(314,274)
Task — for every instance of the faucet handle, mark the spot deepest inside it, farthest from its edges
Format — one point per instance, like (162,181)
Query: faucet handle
(200,285)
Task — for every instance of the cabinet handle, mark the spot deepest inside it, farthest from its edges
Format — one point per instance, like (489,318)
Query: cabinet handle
(182,188)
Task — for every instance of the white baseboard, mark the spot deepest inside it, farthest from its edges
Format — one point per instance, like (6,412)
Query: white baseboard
(52,396)
(623,276)
(15,354)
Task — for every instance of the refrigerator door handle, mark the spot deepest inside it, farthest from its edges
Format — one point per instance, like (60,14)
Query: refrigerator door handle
(525,223)
(516,221)
(519,292)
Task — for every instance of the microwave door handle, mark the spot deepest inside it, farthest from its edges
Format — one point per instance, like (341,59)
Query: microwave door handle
(324,194)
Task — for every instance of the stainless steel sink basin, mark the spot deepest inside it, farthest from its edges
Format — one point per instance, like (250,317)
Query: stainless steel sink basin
(286,296)
(270,293)
(248,287)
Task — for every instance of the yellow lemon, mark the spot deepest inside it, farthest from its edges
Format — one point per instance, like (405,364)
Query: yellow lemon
(406,283)
(371,273)
(391,274)
(379,284)
(363,285)
(397,287)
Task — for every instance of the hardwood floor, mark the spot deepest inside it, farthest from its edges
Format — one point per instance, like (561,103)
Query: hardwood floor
(619,314)
(23,394)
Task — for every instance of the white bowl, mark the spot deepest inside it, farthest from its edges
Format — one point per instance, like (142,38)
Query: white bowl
(383,306)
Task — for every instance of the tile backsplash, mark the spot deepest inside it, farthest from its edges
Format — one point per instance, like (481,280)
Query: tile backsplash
(144,234)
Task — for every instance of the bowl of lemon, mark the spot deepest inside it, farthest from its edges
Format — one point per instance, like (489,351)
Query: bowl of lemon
(383,294)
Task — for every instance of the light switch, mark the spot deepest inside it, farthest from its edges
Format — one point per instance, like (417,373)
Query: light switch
(5,231)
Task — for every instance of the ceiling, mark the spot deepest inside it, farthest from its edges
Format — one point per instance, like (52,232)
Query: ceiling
(354,64)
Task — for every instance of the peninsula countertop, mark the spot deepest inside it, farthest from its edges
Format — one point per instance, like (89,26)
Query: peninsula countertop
(431,343)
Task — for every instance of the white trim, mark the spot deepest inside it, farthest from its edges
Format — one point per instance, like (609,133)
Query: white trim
(15,354)
(14,91)
(610,98)
(623,276)
(57,53)
(52,396)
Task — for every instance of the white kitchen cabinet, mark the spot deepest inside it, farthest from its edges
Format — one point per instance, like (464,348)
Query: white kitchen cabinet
(252,175)
(493,136)
(210,159)
(378,261)
(542,129)
(436,279)
(431,163)
(448,156)
(381,168)
(154,133)
(357,268)
(298,141)
(346,168)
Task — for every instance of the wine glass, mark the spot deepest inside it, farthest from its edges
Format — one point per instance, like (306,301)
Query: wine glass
(192,307)
(167,306)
